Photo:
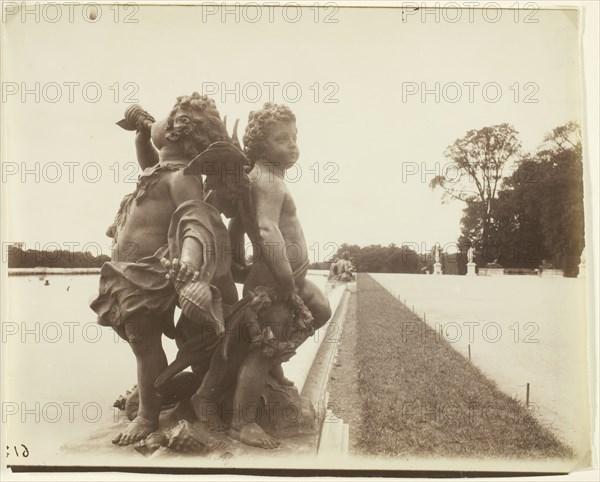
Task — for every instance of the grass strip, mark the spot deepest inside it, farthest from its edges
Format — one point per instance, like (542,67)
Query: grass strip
(421,397)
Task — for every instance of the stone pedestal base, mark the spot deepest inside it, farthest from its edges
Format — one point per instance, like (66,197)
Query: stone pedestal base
(437,268)
(180,431)
(552,273)
(471,269)
(491,272)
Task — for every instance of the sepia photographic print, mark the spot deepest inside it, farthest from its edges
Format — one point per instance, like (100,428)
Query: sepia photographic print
(299,239)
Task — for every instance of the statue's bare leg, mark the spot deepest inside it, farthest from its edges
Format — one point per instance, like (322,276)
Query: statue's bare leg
(219,378)
(145,340)
(316,301)
(206,399)
(250,386)
(318,304)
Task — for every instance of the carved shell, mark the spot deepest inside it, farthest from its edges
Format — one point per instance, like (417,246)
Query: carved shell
(151,443)
(201,302)
(182,439)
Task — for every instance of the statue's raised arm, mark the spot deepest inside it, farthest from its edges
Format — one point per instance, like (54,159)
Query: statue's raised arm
(136,118)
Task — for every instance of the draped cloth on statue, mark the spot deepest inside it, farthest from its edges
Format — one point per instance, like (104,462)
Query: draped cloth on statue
(141,290)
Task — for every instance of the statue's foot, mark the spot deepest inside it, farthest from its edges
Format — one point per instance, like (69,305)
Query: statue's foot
(252,434)
(138,429)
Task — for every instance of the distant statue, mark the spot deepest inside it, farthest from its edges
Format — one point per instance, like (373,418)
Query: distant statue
(343,269)
(471,268)
(437,266)
(333,269)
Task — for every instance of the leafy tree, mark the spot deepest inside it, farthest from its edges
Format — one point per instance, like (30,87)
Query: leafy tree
(517,229)
(561,196)
(538,212)
(477,164)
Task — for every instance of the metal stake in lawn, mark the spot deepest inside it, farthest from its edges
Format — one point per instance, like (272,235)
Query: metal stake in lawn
(527,396)
(469,346)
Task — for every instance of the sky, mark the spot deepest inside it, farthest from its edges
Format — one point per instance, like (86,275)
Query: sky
(369,141)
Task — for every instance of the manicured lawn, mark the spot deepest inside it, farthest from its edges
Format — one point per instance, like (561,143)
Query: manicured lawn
(420,397)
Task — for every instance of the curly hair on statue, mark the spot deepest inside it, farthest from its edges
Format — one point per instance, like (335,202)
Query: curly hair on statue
(204,128)
(259,122)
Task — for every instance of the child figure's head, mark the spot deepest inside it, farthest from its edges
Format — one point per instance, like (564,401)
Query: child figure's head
(195,123)
(271,136)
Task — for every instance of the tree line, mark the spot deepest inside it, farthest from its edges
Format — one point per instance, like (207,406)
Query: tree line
(32,258)
(380,259)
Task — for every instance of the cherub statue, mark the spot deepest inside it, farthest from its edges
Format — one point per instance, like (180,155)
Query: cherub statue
(281,308)
(170,247)
(270,142)
(238,351)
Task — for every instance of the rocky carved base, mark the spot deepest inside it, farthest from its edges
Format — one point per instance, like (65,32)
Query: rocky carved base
(282,413)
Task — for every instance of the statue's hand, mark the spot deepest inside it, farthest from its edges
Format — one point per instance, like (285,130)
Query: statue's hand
(180,272)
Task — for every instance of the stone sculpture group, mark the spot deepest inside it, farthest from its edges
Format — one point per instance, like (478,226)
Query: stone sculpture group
(171,248)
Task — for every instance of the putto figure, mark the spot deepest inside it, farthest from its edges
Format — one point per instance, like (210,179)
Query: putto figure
(287,306)
(270,143)
(172,248)
(159,256)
